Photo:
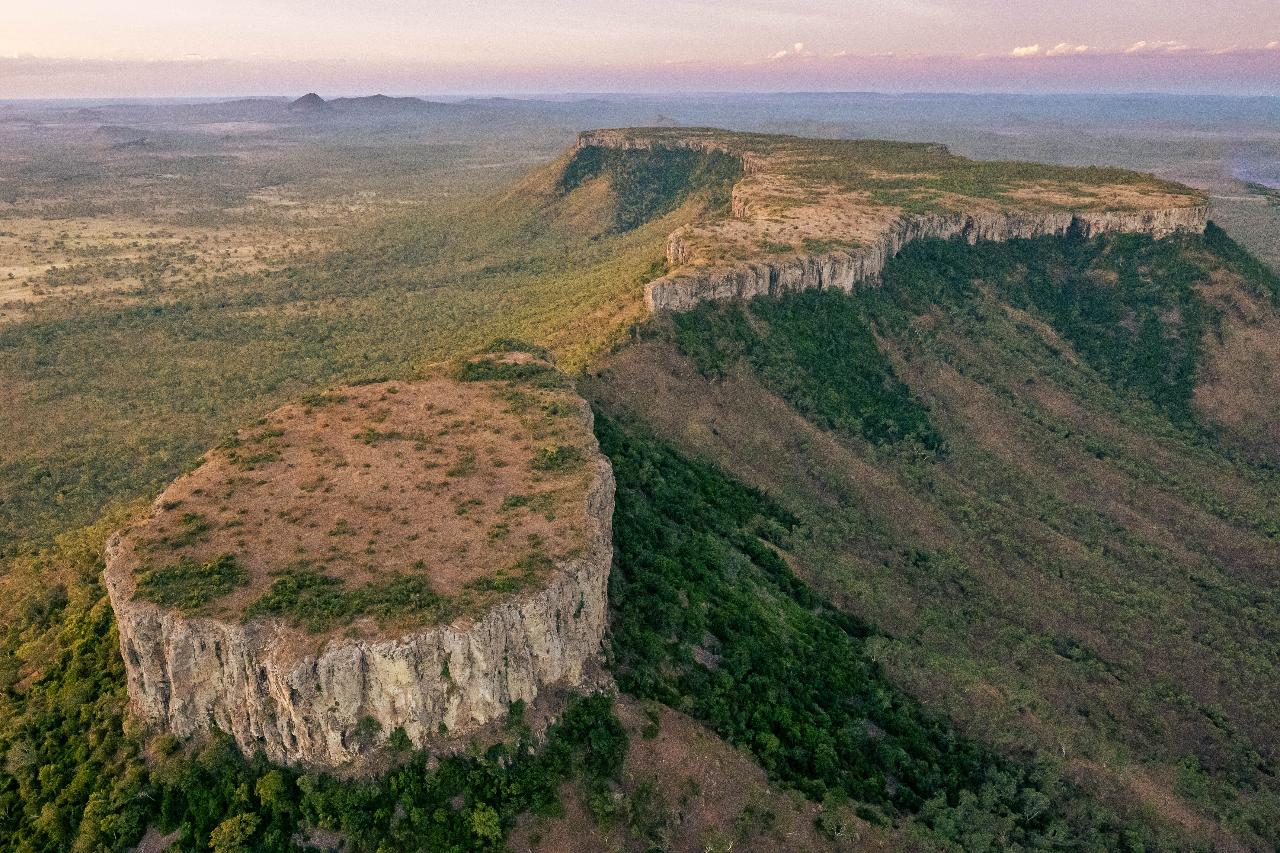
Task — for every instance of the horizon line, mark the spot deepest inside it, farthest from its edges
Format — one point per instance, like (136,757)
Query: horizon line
(660,93)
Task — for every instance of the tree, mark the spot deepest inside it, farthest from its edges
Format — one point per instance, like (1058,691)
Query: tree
(233,834)
(485,824)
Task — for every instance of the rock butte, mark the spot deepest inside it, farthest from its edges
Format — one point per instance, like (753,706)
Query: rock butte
(470,519)
(812,214)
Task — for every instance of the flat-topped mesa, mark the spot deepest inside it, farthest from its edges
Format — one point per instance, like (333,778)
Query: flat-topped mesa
(811,213)
(400,555)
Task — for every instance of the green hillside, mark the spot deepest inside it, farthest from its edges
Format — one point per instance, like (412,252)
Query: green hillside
(997,460)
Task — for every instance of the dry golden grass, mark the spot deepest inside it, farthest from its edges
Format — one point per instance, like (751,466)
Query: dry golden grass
(797,191)
(1239,387)
(437,478)
(1108,196)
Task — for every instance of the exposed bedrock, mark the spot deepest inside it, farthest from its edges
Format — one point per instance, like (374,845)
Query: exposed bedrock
(684,288)
(260,681)
(621,140)
(844,269)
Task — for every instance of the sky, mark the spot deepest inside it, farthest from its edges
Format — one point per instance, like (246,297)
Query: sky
(151,48)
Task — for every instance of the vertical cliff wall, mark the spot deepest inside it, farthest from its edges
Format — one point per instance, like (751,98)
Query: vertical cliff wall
(811,213)
(844,269)
(313,699)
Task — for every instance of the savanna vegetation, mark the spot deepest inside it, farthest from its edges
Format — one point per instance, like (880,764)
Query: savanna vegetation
(710,619)
(1078,487)
(113,400)
(1005,580)
(920,178)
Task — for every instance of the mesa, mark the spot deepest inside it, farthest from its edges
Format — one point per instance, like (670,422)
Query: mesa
(409,556)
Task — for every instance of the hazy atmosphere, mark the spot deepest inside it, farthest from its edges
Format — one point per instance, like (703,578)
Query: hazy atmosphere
(78,48)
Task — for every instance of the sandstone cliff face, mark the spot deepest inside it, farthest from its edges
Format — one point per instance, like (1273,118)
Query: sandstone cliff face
(186,674)
(844,269)
(1157,210)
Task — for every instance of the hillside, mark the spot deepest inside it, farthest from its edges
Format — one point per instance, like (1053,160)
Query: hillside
(971,550)
(1007,461)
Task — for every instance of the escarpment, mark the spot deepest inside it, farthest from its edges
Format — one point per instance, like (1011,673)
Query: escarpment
(812,214)
(397,556)
(846,268)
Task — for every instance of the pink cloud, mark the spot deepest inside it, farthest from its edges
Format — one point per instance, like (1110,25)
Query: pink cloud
(1252,71)
(1156,47)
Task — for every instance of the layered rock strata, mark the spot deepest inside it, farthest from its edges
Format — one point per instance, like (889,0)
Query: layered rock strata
(846,268)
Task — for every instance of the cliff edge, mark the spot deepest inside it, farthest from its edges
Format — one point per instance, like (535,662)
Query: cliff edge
(809,214)
(397,556)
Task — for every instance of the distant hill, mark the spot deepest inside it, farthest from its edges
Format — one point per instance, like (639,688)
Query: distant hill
(309,102)
(386,104)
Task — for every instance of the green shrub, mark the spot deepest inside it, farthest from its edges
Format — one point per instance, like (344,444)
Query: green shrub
(188,585)
(467,802)
(318,602)
(366,729)
(556,457)
(650,184)
(817,350)
(534,373)
(192,529)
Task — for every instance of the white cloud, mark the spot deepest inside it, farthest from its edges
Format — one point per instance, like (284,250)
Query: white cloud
(1067,49)
(1274,45)
(1029,50)
(797,49)
(840,53)
(1155,47)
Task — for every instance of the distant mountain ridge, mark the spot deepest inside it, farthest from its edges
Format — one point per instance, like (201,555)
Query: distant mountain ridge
(311,102)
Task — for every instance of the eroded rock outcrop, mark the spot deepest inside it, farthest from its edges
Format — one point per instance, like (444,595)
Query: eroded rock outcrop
(482,636)
(831,213)
(846,268)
